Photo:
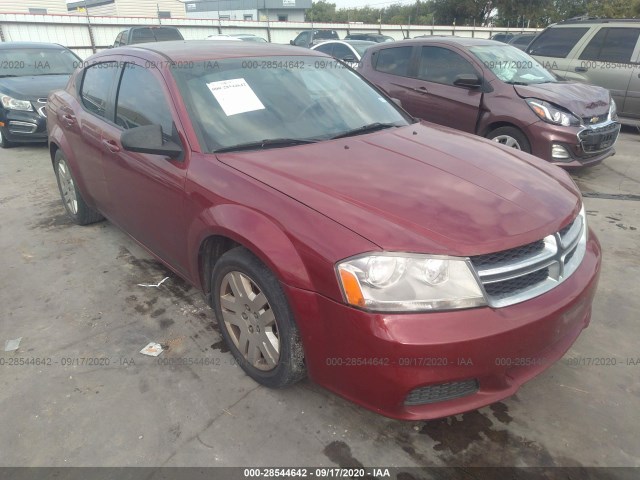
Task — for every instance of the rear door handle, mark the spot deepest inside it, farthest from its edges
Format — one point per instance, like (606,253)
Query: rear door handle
(581,69)
(111,145)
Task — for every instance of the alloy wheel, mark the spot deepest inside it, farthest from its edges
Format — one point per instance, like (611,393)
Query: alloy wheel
(507,141)
(250,321)
(67,187)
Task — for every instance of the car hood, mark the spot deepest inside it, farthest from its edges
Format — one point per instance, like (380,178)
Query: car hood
(422,188)
(579,98)
(32,87)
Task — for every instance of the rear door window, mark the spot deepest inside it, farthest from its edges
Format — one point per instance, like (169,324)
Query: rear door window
(556,42)
(96,85)
(341,52)
(395,60)
(614,45)
(141,101)
(325,48)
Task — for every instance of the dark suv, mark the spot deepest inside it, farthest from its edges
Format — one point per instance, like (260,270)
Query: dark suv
(602,52)
(147,34)
(309,38)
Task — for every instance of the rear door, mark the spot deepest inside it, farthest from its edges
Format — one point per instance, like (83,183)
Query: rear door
(437,99)
(608,60)
(84,129)
(147,190)
(392,69)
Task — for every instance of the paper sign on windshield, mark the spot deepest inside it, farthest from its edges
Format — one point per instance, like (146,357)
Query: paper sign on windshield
(235,96)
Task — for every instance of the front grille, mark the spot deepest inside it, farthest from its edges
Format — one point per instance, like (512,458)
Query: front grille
(513,286)
(508,256)
(518,274)
(599,138)
(441,392)
(595,119)
(566,229)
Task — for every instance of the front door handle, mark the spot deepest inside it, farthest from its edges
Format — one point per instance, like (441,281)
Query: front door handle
(581,69)
(421,90)
(69,120)
(111,145)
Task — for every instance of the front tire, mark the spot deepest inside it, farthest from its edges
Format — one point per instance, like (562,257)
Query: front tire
(74,204)
(255,320)
(4,143)
(510,137)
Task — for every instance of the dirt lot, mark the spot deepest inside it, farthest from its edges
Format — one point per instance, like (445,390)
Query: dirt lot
(72,294)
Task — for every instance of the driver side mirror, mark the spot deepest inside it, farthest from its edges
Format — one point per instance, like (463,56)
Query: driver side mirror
(349,59)
(291,42)
(469,80)
(148,139)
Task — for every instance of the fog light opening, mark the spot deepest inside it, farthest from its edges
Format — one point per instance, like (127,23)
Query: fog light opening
(558,152)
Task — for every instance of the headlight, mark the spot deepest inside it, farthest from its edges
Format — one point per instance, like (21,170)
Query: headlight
(11,103)
(613,111)
(552,114)
(405,282)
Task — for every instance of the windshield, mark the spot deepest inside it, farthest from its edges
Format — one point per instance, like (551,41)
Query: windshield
(512,65)
(303,98)
(21,62)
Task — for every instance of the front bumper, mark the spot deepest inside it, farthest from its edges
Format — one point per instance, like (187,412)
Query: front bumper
(23,127)
(584,146)
(378,360)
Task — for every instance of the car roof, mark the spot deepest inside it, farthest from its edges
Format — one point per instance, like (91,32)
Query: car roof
(11,45)
(460,41)
(597,21)
(348,41)
(197,50)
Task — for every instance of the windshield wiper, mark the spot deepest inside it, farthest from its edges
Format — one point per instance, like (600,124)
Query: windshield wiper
(266,143)
(372,127)
(518,83)
(6,76)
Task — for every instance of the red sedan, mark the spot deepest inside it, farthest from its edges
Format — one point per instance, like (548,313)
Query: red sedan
(414,269)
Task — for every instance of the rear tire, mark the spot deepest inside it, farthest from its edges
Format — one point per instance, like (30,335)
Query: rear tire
(510,137)
(74,204)
(255,320)
(4,143)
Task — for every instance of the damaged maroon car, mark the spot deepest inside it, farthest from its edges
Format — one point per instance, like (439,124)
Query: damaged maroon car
(499,92)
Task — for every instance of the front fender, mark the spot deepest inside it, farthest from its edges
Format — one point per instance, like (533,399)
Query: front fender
(258,233)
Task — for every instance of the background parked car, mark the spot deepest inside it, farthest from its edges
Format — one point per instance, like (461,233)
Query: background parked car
(521,40)
(308,38)
(330,232)
(602,52)
(222,36)
(499,92)
(503,37)
(248,37)
(28,72)
(349,51)
(370,37)
(147,34)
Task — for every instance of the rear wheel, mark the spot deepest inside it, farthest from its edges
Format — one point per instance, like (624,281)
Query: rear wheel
(510,137)
(73,202)
(4,143)
(255,320)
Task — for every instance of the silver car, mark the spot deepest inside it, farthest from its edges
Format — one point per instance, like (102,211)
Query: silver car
(601,52)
